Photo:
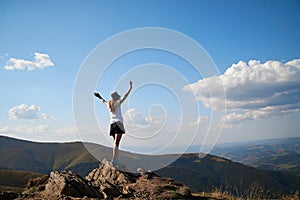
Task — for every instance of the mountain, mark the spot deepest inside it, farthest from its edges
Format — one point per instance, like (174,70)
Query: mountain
(274,154)
(287,163)
(205,174)
(46,157)
(199,173)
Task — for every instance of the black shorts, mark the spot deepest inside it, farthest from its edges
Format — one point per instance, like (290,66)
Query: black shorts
(116,128)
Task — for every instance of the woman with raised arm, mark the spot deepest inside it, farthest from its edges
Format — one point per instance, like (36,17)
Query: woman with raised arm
(116,119)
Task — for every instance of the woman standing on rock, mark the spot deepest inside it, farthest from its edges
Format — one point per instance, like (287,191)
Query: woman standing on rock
(116,119)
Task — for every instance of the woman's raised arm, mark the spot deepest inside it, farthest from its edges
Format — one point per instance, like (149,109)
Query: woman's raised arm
(127,93)
(101,98)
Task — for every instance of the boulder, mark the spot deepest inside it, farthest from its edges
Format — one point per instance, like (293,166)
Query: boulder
(116,175)
(111,180)
(69,184)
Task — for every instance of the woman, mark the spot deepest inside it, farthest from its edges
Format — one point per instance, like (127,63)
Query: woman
(116,119)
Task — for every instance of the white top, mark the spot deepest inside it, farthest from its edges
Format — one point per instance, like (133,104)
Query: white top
(117,115)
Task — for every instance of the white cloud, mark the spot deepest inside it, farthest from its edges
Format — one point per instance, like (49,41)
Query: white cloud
(24,111)
(136,120)
(267,112)
(132,116)
(27,112)
(139,126)
(40,62)
(254,90)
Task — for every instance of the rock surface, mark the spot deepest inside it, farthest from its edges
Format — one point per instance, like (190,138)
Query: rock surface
(70,184)
(36,185)
(106,182)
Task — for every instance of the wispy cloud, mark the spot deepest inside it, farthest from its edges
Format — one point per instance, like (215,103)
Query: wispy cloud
(254,90)
(40,132)
(47,117)
(40,61)
(25,129)
(27,112)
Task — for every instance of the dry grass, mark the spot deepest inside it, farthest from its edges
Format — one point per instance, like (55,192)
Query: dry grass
(11,189)
(255,192)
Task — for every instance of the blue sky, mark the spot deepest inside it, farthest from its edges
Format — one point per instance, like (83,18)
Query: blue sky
(54,38)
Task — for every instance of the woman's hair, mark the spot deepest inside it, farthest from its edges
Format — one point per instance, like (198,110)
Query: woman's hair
(112,106)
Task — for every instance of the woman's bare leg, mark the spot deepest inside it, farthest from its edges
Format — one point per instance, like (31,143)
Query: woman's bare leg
(117,139)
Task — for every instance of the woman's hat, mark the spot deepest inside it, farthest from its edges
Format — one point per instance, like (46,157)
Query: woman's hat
(115,96)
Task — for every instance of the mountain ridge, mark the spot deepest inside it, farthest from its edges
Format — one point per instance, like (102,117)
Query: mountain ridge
(200,174)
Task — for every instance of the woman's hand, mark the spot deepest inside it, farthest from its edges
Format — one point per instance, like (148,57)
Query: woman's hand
(97,95)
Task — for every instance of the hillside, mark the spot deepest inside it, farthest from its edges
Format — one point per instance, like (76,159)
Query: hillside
(200,174)
(287,163)
(209,172)
(15,180)
(46,157)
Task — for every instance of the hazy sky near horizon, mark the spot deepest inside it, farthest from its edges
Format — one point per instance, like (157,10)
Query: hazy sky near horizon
(253,44)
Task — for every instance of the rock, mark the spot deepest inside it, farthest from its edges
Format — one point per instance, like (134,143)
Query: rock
(70,184)
(111,180)
(105,182)
(111,173)
(36,185)
(110,190)
(140,170)
(151,186)
(128,191)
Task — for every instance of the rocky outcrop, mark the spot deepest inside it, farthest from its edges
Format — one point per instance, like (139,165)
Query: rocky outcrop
(115,174)
(69,184)
(36,185)
(106,182)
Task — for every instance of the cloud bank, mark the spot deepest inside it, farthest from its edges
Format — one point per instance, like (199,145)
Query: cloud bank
(254,90)
(40,61)
(26,129)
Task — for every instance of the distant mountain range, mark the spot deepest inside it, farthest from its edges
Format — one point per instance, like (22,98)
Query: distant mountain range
(200,174)
(274,154)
